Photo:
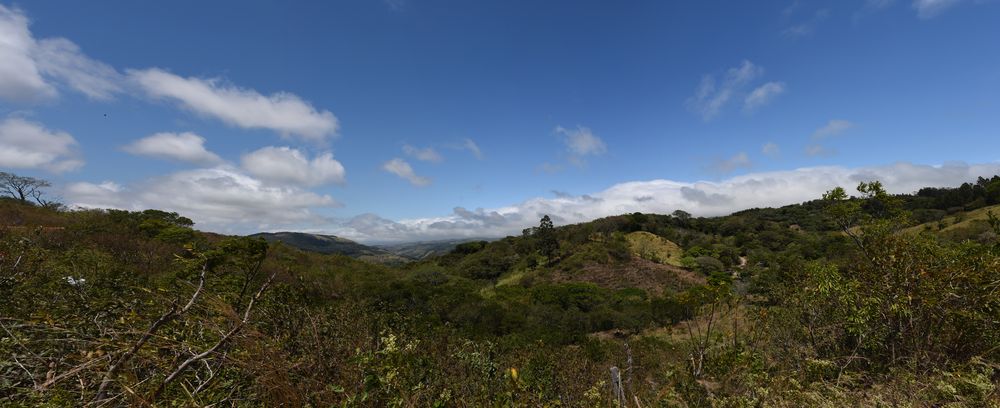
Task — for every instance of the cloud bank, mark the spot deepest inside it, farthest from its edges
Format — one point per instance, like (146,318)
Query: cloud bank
(221,199)
(703,198)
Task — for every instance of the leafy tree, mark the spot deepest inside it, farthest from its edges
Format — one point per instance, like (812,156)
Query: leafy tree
(548,244)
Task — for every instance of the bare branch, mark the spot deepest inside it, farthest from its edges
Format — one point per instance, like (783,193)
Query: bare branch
(165,318)
(225,338)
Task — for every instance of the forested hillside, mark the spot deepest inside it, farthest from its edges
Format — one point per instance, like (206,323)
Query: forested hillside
(870,300)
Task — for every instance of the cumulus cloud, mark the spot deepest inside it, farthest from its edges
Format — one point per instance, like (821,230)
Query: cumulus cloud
(931,8)
(766,189)
(220,199)
(771,149)
(29,145)
(427,154)
(288,165)
(762,95)
(401,168)
(281,112)
(739,161)
(185,147)
(31,70)
(711,97)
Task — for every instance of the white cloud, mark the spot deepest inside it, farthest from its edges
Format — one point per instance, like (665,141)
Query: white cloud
(710,98)
(739,161)
(473,148)
(931,8)
(580,142)
(20,79)
(29,145)
(62,59)
(281,112)
(427,154)
(771,149)
(763,95)
(768,189)
(288,165)
(90,195)
(832,128)
(186,147)
(402,169)
(220,199)
(31,69)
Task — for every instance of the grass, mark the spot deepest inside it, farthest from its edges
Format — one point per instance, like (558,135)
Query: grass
(654,248)
(974,219)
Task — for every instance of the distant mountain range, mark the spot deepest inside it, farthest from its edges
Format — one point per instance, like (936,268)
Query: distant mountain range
(385,254)
(426,249)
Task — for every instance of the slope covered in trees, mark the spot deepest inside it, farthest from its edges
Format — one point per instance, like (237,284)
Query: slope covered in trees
(837,302)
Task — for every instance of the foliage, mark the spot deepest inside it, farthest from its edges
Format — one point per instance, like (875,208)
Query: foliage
(826,303)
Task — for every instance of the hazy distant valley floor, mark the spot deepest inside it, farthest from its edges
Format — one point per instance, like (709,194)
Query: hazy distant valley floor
(877,300)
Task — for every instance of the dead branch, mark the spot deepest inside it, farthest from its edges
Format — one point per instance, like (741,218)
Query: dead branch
(225,338)
(171,314)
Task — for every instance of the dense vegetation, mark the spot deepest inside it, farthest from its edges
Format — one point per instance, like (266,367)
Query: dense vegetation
(874,300)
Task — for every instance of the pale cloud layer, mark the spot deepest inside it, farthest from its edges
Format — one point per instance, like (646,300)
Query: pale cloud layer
(282,112)
(185,147)
(29,145)
(221,199)
(427,154)
(288,165)
(32,70)
(224,199)
(403,170)
(768,189)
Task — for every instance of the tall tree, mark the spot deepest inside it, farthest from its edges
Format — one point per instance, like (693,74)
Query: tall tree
(547,242)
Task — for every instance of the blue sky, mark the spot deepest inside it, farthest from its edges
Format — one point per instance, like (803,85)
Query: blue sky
(424,119)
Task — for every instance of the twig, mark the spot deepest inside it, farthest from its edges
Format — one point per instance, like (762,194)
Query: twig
(166,317)
(239,325)
(48,383)
(32,376)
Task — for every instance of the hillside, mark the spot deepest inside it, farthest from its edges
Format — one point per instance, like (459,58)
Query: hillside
(329,244)
(961,225)
(823,303)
